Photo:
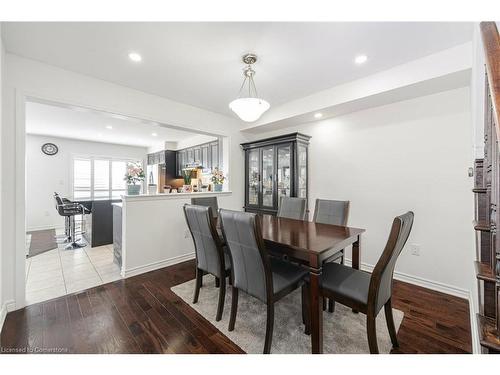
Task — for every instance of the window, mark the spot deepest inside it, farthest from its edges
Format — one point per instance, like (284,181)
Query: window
(99,177)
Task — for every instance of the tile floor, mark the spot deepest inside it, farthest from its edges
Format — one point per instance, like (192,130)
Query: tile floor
(59,272)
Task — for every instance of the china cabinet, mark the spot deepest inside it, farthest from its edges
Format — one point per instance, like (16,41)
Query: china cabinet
(275,167)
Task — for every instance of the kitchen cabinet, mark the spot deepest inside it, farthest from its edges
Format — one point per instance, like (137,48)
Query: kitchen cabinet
(275,167)
(207,155)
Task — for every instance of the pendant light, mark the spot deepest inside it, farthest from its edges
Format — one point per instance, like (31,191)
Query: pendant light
(249,107)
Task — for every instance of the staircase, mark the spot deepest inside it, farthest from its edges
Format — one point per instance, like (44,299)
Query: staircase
(487,199)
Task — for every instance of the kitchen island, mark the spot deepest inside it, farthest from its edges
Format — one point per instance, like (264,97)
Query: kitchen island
(151,231)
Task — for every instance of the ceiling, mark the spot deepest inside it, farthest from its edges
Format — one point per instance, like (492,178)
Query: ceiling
(199,63)
(89,125)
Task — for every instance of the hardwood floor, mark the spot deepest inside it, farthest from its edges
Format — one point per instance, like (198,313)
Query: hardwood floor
(142,315)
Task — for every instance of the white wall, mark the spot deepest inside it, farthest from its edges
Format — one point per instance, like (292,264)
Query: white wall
(29,78)
(3,307)
(411,155)
(195,141)
(47,174)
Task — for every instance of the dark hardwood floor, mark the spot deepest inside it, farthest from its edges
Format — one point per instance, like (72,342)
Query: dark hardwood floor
(142,315)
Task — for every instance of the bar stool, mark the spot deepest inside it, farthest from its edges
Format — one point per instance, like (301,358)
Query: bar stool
(62,238)
(69,210)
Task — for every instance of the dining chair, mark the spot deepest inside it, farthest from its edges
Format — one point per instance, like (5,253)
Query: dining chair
(254,271)
(210,254)
(363,291)
(207,201)
(331,212)
(292,208)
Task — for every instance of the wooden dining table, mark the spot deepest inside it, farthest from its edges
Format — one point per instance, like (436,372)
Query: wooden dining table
(311,243)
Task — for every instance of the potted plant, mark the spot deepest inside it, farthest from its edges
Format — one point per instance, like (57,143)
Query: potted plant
(217,179)
(135,174)
(186,175)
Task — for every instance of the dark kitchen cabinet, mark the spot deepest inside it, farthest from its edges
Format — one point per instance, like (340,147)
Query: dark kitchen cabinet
(208,155)
(275,167)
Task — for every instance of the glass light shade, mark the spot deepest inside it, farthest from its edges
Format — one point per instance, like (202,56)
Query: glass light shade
(249,109)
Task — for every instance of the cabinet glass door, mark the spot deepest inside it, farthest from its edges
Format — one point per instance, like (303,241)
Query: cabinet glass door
(284,170)
(302,171)
(268,176)
(253,177)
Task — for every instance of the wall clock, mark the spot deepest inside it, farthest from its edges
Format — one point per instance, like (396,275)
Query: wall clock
(49,149)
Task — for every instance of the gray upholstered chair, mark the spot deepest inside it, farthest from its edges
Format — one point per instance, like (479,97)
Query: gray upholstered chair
(366,292)
(292,208)
(209,249)
(334,213)
(254,272)
(207,201)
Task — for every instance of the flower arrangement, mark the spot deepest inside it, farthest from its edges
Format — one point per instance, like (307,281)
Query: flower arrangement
(186,175)
(218,176)
(134,174)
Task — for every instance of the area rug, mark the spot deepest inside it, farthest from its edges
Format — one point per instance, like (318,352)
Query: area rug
(42,241)
(343,331)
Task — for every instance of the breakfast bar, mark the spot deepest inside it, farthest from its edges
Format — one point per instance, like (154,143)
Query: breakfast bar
(150,231)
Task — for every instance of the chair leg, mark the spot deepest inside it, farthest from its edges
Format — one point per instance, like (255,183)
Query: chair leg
(305,309)
(222,296)
(342,257)
(331,305)
(390,324)
(199,278)
(324,303)
(217,282)
(234,307)
(269,328)
(372,333)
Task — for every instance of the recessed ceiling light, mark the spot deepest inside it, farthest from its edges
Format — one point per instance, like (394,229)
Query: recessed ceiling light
(109,127)
(135,57)
(360,59)
(154,134)
(318,115)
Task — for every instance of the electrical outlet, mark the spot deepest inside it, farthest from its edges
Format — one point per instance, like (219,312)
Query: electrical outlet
(186,233)
(415,249)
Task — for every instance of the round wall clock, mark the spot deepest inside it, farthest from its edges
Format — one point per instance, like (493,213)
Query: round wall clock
(49,149)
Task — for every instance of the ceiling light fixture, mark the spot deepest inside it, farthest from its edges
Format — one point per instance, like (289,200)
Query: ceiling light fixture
(360,59)
(109,127)
(154,134)
(318,115)
(249,107)
(135,57)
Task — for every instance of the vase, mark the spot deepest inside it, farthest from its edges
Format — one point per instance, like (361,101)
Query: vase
(217,187)
(133,189)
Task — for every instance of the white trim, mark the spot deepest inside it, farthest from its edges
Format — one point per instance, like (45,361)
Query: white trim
(20,200)
(7,307)
(153,197)
(426,283)
(476,345)
(44,227)
(156,265)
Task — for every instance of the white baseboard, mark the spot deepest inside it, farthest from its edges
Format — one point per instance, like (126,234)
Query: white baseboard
(7,306)
(156,265)
(476,345)
(425,283)
(44,227)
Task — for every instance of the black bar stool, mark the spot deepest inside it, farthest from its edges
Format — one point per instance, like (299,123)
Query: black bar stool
(69,210)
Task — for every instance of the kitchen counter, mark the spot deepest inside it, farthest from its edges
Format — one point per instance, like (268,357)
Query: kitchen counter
(160,196)
(154,233)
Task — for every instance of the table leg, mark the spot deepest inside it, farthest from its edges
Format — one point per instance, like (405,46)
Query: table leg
(316,311)
(356,258)
(356,250)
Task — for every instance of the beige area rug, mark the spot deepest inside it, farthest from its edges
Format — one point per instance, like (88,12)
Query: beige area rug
(344,332)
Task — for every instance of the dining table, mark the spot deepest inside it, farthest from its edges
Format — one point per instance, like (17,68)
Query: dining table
(311,244)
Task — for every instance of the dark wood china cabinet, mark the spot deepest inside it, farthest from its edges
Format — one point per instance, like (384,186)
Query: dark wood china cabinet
(275,167)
